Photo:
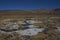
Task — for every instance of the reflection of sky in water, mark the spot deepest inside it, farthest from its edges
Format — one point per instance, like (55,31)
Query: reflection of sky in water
(58,27)
(31,31)
(28,25)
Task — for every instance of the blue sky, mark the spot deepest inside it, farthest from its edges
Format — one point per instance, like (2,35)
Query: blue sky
(28,4)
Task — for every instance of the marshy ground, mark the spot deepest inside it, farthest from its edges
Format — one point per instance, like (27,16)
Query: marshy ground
(30,27)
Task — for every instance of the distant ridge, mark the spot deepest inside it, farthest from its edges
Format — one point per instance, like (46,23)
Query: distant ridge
(30,12)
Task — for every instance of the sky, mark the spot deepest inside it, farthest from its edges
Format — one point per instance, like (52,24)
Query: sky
(28,4)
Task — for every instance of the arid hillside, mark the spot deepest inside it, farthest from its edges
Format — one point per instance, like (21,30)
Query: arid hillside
(30,12)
